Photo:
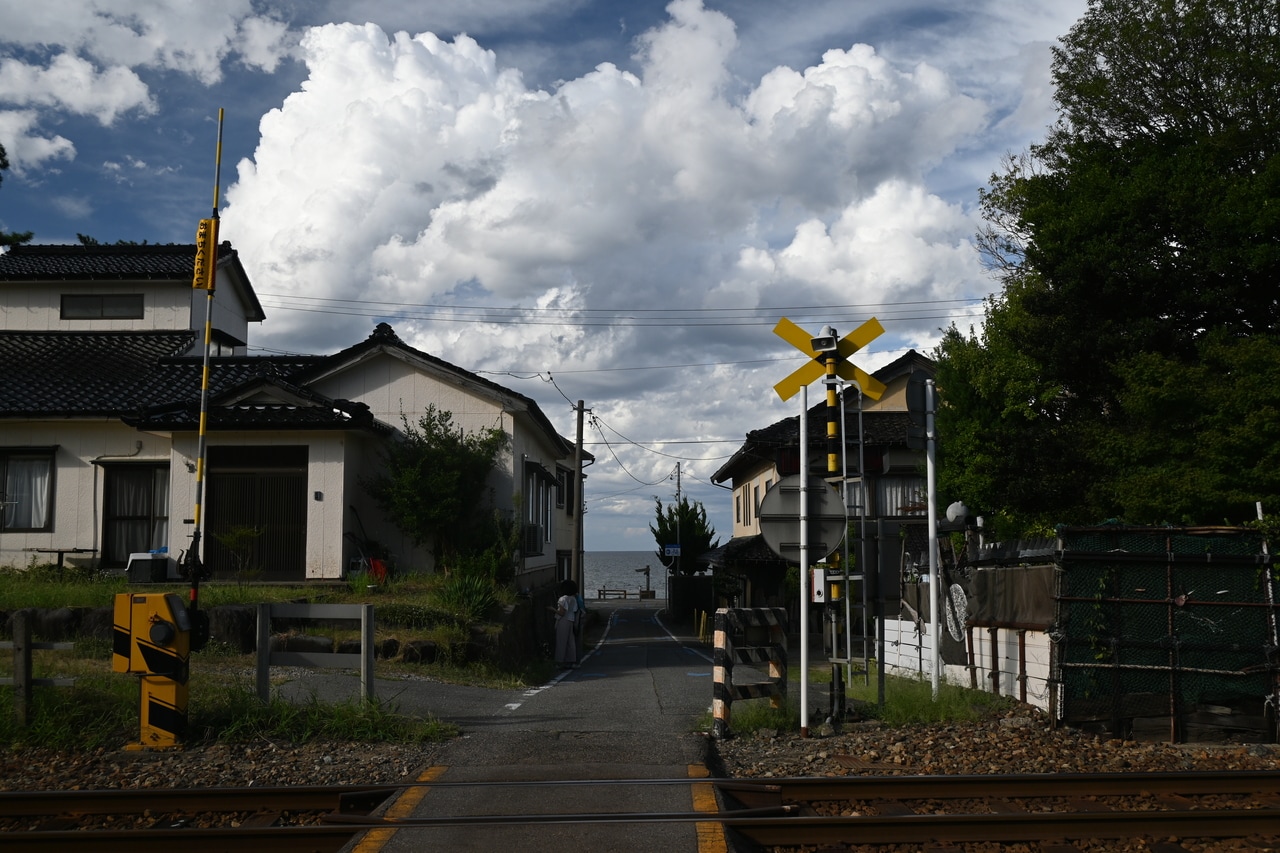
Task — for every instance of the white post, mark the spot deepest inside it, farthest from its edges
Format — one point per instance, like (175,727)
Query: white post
(935,599)
(804,561)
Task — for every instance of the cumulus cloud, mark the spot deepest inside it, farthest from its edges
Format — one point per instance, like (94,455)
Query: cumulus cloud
(417,171)
(26,149)
(172,35)
(72,84)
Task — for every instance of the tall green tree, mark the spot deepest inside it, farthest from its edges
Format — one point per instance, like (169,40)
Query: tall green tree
(11,238)
(682,523)
(434,483)
(1137,245)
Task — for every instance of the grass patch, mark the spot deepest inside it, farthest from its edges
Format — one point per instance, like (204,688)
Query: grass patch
(907,701)
(102,709)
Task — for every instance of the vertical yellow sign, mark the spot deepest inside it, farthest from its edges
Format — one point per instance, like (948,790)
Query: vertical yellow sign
(206,255)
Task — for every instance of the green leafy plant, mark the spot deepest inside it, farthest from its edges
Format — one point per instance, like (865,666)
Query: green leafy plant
(240,542)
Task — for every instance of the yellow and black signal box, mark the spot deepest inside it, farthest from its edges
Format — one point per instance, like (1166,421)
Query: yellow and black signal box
(152,638)
(152,635)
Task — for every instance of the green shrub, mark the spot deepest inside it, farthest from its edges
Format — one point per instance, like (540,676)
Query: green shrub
(466,597)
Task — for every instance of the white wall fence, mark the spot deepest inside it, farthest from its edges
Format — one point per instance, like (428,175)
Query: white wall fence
(1006,661)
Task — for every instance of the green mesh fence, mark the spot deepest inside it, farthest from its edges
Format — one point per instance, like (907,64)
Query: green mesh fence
(1163,622)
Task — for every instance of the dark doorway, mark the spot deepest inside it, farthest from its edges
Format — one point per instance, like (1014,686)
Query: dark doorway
(135,511)
(257,504)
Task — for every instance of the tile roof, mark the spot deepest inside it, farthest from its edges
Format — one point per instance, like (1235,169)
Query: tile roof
(83,373)
(58,263)
(124,374)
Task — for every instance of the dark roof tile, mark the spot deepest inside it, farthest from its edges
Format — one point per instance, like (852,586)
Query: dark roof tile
(57,263)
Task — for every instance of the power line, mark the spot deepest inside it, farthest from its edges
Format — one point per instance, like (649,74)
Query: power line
(616,318)
(610,311)
(597,421)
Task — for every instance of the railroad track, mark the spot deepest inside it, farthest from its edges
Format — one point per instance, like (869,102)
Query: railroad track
(284,820)
(1054,811)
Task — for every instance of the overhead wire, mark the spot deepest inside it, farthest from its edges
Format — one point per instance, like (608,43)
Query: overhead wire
(618,317)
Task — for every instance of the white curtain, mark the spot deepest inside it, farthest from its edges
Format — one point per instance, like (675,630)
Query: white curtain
(27,492)
(900,496)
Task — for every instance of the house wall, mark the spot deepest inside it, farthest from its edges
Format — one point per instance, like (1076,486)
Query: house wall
(77,495)
(166,306)
(37,307)
(747,494)
(326,475)
(390,386)
(364,519)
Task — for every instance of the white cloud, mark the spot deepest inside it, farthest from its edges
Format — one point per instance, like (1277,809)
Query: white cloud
(414,169)
(175,35)
(72,84)
(25,149)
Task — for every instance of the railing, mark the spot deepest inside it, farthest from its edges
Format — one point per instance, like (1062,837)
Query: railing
(605,593)
(23,679)
(353,612)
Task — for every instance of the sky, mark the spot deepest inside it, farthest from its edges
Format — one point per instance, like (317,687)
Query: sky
(611,201)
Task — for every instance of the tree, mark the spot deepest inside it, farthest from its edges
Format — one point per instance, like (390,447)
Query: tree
(686,524)
(1137,245)
(433,485)
(11,238)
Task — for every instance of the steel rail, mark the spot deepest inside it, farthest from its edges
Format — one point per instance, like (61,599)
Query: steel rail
(277,839)
(1027,785)
(133,800)
(1004,827)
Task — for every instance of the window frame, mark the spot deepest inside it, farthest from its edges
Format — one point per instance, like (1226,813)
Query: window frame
(102,306)
(7,455)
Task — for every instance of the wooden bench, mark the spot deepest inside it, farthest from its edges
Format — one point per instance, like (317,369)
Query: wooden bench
(611,593)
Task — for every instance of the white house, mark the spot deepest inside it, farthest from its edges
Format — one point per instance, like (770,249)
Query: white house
(101,364)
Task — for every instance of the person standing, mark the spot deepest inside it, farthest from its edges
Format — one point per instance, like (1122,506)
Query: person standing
(566,623)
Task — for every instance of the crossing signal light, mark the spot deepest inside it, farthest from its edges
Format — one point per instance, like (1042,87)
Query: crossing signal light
(206,254)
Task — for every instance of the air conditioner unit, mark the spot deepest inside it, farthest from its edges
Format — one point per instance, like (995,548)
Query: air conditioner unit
(532,539)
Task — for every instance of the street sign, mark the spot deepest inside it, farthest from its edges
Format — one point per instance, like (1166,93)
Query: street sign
(671,550)
(813,370)
(780,518)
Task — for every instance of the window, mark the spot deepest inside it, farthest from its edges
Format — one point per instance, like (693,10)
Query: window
(135,511)
(27,477)
(539,498)
(102,306)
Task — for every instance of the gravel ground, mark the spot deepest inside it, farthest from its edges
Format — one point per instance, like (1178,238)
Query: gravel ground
(1020,742)
(261,764)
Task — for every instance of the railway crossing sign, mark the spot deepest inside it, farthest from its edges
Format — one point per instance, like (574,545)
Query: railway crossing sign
(845,347)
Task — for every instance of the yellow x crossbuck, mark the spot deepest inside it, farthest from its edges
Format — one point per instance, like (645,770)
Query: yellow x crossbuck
(814,369)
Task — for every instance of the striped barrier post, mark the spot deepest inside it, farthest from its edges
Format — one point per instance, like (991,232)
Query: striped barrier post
(729,621)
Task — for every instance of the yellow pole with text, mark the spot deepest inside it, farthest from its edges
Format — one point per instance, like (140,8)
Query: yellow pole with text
(206,276)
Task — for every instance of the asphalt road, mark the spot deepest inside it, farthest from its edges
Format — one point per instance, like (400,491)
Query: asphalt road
(628,712)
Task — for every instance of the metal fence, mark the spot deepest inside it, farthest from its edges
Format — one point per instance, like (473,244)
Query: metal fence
(1167,631)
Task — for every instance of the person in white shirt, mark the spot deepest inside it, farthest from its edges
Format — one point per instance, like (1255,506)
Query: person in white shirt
(566,620)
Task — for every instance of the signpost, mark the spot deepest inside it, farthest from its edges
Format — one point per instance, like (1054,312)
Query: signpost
(828,356)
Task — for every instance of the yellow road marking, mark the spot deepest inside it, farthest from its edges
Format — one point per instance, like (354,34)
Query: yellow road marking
(710,833)
(375,839)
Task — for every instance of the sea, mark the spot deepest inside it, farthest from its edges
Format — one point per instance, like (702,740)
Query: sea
(622,570)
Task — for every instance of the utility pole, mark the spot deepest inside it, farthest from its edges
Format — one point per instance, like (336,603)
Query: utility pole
(575,560)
